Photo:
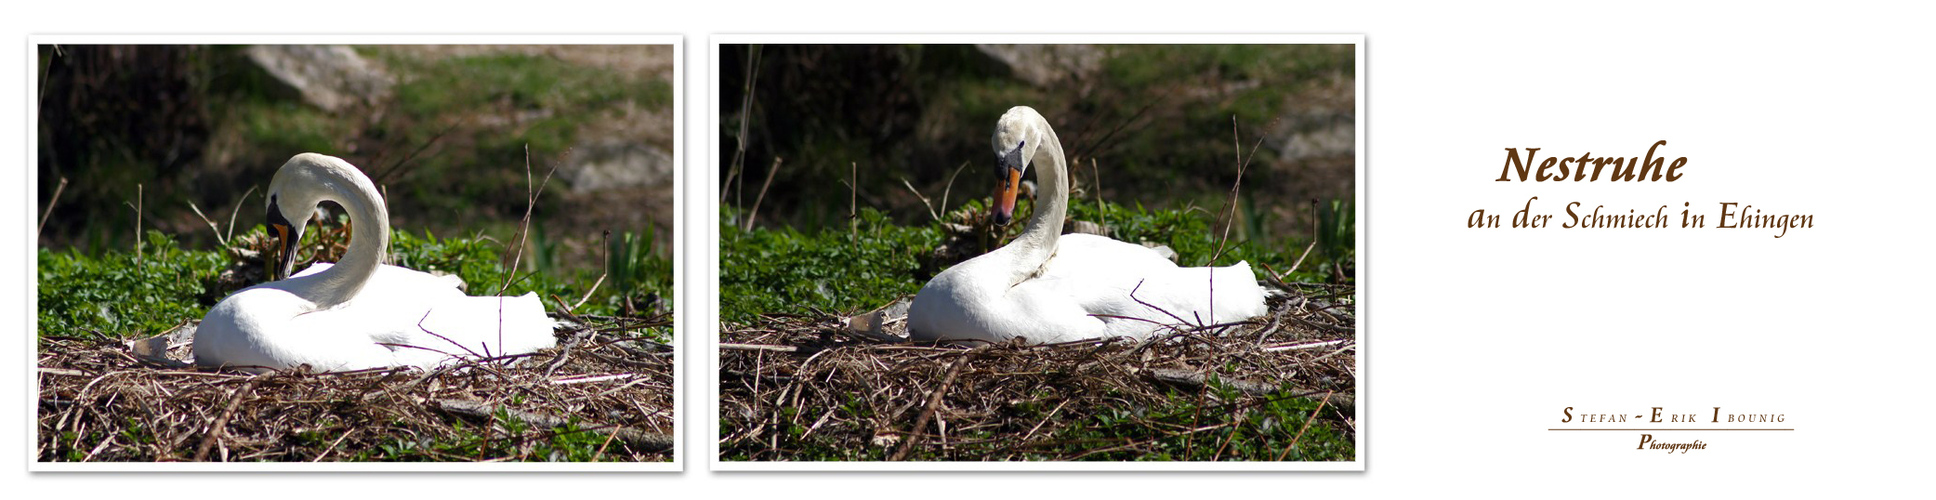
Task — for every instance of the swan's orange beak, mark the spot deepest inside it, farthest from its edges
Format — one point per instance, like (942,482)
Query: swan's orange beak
(287,237)
(1005,193)
(285,252)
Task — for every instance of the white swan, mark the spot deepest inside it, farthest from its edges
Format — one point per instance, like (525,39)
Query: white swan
(358,313)
(1048,287)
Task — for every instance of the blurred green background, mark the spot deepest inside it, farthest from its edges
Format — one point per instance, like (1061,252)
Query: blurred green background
(445,132)
(442,129)
(1152,125)
(1156,119)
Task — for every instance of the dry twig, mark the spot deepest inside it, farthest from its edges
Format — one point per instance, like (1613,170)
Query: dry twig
(50,205)
(865,398)
(97,402)
(754,213)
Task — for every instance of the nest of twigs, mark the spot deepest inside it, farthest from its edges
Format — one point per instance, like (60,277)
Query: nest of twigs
(816,388)
(606,394)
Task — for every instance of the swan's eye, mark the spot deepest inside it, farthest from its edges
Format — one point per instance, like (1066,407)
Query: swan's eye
(1012,160)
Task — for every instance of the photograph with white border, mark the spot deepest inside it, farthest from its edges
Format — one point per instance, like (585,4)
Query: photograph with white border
(355,253)
(1166,276)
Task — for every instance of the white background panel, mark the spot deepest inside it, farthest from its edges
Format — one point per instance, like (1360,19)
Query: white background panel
(1477,338)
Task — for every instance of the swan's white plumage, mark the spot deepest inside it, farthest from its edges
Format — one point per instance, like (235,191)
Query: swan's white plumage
(359,314)
(1107,272)
(1048,287)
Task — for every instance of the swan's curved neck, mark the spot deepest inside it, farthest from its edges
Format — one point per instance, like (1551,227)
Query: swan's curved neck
(1037,242)
(369,234)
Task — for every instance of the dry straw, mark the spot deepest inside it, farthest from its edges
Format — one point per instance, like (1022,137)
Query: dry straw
(104,400)
(795,387)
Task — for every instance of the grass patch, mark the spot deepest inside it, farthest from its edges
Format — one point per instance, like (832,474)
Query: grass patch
(787,271)
(123,294)
(115,294)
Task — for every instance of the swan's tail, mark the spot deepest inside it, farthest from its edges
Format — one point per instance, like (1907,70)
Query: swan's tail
(1195,296)
(486,327)
(1237,295)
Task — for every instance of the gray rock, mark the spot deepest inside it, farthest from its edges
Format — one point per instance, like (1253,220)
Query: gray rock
(331,77)
(174,349)
(887,324)
(606,165)
(1044,65)
(1329,140)
(1320,122)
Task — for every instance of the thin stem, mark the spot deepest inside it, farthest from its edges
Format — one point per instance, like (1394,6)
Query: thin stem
(50,206)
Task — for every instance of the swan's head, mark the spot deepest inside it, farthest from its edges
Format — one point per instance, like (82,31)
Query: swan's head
(1015,140)
(293,195)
